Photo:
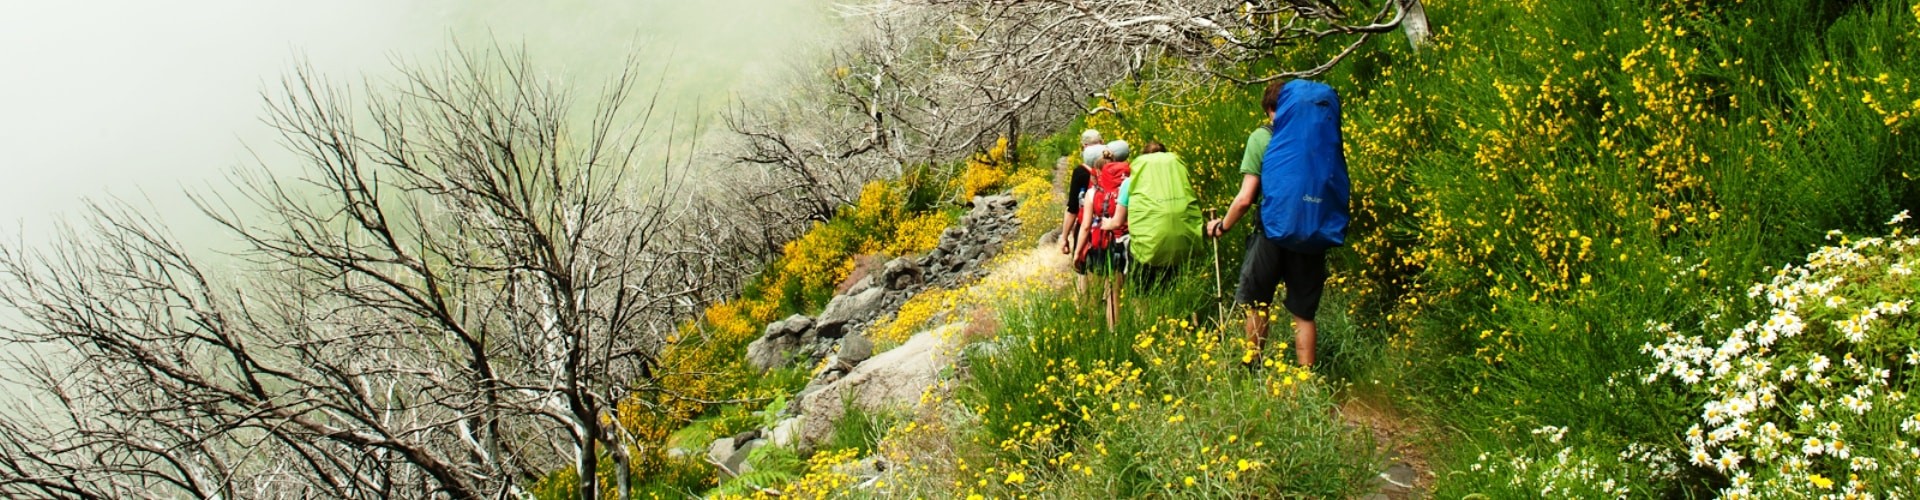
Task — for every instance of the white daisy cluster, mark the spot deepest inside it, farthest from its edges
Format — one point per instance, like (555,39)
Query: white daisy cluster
(1570,472)
(1812,400)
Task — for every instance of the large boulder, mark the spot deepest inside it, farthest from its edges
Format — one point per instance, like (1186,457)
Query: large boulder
(855,348)
(892,379)
(720,452)
(785,433)
(845,309)
(776,346)
(767,353)
(737,464)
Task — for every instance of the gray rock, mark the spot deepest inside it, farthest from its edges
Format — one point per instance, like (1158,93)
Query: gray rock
(892,379)
(677,452)
(720,452)
(1399,478)
(865,283)
(902,274)
(785,433)
(1051,237)
(1396,482)
(776,345)
(792,326)
(799,399)
(767,353)
(848,308)
(737,464)
(854,349)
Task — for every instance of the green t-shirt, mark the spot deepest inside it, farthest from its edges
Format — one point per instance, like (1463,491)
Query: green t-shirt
(1256,150)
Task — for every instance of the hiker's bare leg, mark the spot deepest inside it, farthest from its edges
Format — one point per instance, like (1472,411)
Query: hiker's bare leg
(1113,298)
(1257,327)
(1304,334)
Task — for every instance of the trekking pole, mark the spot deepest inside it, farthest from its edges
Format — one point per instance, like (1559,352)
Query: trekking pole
(1217,295)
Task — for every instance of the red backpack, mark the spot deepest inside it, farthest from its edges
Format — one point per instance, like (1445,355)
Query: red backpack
(1105,187)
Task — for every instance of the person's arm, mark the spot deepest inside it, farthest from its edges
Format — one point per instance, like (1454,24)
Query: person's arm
(1118,219)
(1066,232)
(1249,188)
(1086,221)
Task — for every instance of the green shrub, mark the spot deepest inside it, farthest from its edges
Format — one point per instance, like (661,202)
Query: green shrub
(858,430)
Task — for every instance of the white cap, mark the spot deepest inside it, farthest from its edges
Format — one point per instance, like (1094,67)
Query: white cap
(1119,149)
(1092,153)
(1090,137)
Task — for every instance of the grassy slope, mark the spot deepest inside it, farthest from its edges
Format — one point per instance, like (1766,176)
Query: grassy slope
(1550,176)
(1530,191)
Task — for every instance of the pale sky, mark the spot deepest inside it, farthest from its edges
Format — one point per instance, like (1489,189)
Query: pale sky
(140,99)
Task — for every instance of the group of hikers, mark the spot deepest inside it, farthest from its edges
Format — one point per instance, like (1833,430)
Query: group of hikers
(1138,216)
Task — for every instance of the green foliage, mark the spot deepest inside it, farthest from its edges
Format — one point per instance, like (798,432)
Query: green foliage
(1547,176)
(857,429)
(1159,407)
(772,467)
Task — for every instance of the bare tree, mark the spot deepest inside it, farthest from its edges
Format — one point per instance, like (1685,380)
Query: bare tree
(449,301)
(926,81)
(1216,37)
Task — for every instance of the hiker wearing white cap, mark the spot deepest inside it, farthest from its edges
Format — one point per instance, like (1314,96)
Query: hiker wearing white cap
(1077,187)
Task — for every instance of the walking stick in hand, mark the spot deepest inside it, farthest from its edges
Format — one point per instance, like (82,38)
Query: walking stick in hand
(1217,295)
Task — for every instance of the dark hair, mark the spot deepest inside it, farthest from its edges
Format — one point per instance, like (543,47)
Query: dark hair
(1271,100)
(1153,147)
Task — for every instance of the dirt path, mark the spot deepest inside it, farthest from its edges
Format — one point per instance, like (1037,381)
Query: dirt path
(1406,472)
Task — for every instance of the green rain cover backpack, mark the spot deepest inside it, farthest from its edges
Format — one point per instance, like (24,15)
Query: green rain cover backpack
(1163,218)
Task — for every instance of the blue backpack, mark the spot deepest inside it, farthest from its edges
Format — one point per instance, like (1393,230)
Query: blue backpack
(1303,177)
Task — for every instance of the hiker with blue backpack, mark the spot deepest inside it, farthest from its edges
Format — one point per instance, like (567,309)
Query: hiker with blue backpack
(1296,169)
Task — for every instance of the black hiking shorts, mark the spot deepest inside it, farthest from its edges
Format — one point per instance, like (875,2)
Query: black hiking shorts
(1268,265)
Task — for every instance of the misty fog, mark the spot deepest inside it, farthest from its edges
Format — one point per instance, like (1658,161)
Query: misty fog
(140,100)
(143,101)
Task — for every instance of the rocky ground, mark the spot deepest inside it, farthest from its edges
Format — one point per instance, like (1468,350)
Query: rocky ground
(853,374)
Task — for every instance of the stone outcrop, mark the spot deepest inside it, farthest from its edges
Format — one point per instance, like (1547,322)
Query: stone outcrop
(773,348)
(965,247)
(892,380)
(854,376)
(880,289)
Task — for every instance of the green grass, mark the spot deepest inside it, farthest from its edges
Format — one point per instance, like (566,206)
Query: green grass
(1550,176)
(1158,407)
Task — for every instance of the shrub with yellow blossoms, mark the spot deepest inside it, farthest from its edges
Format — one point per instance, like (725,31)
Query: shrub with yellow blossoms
(1039,210)
(702,361)
(984,172)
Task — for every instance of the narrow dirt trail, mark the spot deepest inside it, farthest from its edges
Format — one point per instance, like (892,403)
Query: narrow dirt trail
(1401,440)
